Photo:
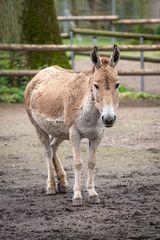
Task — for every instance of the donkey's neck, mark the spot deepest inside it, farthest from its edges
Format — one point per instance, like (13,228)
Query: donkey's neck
(90,112)
(89,121)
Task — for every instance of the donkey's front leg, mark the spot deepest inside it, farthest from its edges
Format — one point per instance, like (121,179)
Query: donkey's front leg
(75,141)
(93,146)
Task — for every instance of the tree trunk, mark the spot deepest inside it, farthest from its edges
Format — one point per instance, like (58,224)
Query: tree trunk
(10,29)
(40,26)
(10,13)
(35,22)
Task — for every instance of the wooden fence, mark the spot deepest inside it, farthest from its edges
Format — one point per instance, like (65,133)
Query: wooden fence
(88,18)
(77,48)
(22,73)
(81,49)
(124,57)
(137,21)
(112,18)
(129,35)
(74,48)
(140,36)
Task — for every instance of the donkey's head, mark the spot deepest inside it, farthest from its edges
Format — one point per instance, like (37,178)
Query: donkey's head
(105,85)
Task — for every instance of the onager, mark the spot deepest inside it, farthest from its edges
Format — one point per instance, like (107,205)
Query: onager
(62,104)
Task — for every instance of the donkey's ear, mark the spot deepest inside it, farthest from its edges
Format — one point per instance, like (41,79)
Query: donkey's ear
(95,58)
(115,56)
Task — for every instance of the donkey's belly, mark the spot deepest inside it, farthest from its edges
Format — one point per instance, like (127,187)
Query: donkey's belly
(54,127)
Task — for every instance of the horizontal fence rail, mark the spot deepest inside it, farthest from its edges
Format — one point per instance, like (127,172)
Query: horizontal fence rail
(22,73)
(114,18)
(125,57)
(77,48)
(137,21)
(139,72)
(93,32)
(65,35)
(88,18)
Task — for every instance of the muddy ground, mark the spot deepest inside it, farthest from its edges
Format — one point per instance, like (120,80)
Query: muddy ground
(127,180)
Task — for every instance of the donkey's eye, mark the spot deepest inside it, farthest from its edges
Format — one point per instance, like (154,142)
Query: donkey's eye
(96,86)
(117,85)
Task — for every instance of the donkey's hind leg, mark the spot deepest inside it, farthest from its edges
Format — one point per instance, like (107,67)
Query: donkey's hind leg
(44,137)
(62,181)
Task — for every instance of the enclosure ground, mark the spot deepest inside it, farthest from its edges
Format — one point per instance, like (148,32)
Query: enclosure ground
(127,180)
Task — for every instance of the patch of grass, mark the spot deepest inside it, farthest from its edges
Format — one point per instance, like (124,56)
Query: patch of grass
(131,95)
(123,89)
(11,94)
(11,89)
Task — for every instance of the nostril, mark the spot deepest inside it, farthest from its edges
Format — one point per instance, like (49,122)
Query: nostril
(109,120)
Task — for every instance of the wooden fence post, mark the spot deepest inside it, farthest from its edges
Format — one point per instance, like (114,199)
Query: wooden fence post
(72,52)
(112,24)
(94,40)
(142,64)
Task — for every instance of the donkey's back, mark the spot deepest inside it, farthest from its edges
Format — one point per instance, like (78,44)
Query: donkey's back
(45,92)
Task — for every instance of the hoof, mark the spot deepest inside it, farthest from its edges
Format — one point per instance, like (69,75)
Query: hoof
(77,201)
(62,189)
(94,199)
(51,191)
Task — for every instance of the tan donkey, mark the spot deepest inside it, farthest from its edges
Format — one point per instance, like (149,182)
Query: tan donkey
(62,104)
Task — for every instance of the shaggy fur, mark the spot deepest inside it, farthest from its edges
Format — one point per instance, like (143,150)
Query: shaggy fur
(62,104)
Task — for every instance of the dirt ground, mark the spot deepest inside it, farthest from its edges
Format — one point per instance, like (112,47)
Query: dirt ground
(127,180)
